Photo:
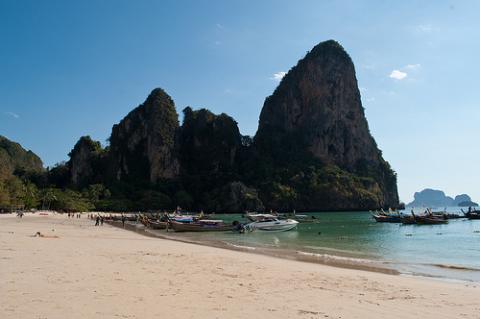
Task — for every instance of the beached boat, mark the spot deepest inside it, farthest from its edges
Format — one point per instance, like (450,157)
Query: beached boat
(272,224)
(200,226)
(157,224)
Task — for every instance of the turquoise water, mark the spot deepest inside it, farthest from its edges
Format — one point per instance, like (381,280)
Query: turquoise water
(428,250)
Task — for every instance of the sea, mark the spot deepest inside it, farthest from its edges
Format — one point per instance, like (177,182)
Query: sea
(355,240)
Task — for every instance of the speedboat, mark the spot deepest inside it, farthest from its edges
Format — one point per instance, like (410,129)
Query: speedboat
(272,224)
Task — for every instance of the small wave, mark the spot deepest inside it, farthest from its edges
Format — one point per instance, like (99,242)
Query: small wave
(351,252)
(240,246)
(456,267)
(337,258)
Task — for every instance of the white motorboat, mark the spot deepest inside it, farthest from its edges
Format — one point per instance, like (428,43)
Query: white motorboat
(272,224)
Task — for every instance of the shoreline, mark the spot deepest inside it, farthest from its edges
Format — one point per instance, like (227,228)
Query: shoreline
(331,260)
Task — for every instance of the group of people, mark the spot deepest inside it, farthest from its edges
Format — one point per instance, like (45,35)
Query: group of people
(74,215)
(98,220)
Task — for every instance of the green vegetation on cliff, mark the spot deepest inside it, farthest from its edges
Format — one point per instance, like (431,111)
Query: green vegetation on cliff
(17,168)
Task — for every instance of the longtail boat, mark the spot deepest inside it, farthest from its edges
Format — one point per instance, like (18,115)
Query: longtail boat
(472,214)
(429,219)
(200,226)
(156,224)
(387,218)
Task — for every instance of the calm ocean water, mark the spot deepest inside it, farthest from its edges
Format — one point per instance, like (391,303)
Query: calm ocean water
(446,251)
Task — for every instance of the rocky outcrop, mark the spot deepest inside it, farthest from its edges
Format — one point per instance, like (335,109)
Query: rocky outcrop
(85,164)
(437,198)
(317,110)
(462,198)
(142,145)
(13,157)
(208,143)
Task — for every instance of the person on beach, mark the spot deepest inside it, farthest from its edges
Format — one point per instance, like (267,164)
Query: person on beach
(101,221)
(39,234)
(123,221)
(97,220)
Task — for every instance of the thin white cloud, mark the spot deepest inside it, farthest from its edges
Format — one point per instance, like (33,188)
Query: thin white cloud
(14,115)
(278,76)
(425,28)
(220,26)
(398,75)
(413,66)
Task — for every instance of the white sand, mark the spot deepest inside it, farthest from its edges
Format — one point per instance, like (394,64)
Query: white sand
(106,272)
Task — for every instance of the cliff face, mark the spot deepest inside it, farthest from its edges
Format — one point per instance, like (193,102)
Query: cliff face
(86,161)
(317,109)
(208,143)
(14,157)
(210,154)
(142,145)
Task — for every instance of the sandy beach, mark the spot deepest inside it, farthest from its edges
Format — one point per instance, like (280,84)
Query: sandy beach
(82,271)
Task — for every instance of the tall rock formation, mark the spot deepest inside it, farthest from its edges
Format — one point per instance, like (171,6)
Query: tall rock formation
(142,145)
(209,143)
(317,109)
(86,163)
(210,153)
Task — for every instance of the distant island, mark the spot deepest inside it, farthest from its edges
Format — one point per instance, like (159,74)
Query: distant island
(313,151)
(437,198)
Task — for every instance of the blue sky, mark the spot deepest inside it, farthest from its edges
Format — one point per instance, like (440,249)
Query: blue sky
(73,68)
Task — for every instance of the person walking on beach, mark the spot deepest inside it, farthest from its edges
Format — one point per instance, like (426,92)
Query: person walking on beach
(101,221)
(123,221)
(97,221)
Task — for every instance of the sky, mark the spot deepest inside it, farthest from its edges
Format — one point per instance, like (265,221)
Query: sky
(73,68)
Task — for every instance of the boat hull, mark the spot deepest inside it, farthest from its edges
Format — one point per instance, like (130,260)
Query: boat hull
(157,225)
(198,227)
(274,226)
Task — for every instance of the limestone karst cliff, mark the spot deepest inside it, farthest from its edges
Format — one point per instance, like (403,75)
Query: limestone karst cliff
(313,149)
(142,145)
(317,109)
(87,162)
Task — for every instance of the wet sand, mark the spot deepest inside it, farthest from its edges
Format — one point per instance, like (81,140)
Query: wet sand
(107,272)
